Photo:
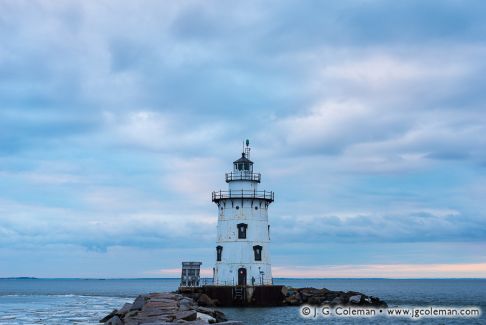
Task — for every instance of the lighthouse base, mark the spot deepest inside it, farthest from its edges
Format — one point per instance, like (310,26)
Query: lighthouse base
(244,296)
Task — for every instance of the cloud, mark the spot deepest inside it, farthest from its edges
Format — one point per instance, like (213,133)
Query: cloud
(117,121)
(152,130)
(405,227)
(33,226)
(471,270)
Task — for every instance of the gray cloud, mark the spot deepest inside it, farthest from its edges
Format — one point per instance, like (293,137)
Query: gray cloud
(117,120)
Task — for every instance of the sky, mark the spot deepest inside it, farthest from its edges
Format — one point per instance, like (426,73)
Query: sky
(366,118)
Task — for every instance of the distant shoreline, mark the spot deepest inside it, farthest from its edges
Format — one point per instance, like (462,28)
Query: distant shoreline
(177,278)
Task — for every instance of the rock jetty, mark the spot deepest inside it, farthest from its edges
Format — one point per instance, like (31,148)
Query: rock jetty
(196,306)
(165,308)
(313,296)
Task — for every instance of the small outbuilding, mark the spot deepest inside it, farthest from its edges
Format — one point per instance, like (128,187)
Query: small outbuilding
(190,276)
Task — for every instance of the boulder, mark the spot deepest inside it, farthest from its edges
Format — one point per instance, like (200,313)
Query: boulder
(205,301)
(138,303)
(309,291)
(356,299)
(131,322)
(285,290)
(115,320)
(299,297)
(186,304)
(186,315)
(378,303)
(186,301)
(307,294)
(131,313)
(337,301)
(292,301)
(110,315)
(207,318)
(323,300)
(314,301)
(205,310)
(185,307)
(220,317)
(125,309)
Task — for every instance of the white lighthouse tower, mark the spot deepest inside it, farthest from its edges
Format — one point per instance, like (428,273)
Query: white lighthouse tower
(242,248)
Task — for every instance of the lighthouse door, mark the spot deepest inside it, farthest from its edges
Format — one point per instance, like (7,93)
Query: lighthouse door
(241,276)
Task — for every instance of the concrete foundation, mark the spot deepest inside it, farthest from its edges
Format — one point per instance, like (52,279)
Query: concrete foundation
(231,296)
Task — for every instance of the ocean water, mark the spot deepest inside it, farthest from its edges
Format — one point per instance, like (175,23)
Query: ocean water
(85,301)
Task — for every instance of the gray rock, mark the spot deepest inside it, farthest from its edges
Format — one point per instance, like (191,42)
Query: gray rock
(299,296)
(186,304)
(336,301)
(186,300)
(115,320)
(131,313)
(292,301)
(187,315)
(207,318)
(125,309)
(306,294)
(138,303)
(185,307)
(130,321)
(220,317)
(205,310)
(285,290)
(323,300)
(355,299)
(204,300)
(314,301)
(110,315)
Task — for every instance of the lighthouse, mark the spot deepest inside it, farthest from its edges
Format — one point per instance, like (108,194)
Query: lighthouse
(243,232)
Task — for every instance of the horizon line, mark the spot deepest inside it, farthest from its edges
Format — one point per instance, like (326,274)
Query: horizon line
(296,278)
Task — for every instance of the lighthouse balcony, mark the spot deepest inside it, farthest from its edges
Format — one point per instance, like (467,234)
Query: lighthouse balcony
(255,177)
(243,194)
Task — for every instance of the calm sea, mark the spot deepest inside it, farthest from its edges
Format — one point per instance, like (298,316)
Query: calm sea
(85,301)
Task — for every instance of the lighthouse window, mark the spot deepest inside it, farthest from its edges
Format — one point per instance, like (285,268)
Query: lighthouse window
(257,249)
(256,208)
(242,230)
(237,207)
(219,251)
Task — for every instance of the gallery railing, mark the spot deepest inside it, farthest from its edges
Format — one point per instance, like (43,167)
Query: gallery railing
(243,194)
(256,177)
